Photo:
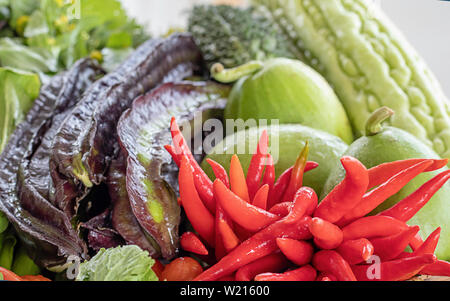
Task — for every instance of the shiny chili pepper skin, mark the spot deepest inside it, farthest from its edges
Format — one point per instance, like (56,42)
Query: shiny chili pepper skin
(237,179)
(326,235)
(269,173)
(191,243)
(383,172)
(202,182)
(271,263)
(305,273)
(373,226)
(259,245)
(305,200)
(219,172)
(408,207)
(298,251)
(356,251)
(332,262)
(281,209)
(390,247)
(377,196)
(426,247)
(280,186)
(347,194)
(257,164)
(395,270)
(298,171)
(245,214)
(229,238)
(325,277)
(260,199)
(199,216)
(9,276)
(439,268)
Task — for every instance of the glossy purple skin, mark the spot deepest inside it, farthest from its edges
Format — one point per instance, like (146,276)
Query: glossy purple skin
(43,228)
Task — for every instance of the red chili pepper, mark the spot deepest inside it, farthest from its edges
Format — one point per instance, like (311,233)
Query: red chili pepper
(259,245)
(257,163)
(281,209)
(237,179)
(347,194)
(248,216)
(269,173)
(296,179)
(395,270)
(176,158)
(305,273)
(199,216)
(9,276)
(375,197)
(229,239)
(260,199)
(332,262)
(191,243)
(408,207)
(356,251)
(280,186)
(227,278)
(427,247)
(373,226)
(219,172)
(383,172)
(271,263)
(304,201)
(202,182)
(439,268)
(219,248)
(390,247)
(298,251)
(326,235)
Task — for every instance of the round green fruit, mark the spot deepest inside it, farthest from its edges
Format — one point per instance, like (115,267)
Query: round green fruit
(286,143)
(291,92)
(392,144)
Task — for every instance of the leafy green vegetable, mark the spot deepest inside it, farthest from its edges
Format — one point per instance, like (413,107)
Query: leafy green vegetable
(127,263)
(23,264)
(7,243)
(18,90)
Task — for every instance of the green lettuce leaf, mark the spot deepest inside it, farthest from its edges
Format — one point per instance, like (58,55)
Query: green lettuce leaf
(126,263)
(18,90)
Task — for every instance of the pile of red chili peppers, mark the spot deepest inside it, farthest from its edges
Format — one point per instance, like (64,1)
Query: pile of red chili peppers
(266,230)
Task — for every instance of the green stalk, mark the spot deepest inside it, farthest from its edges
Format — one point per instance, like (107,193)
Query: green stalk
(7,243)
(226,76)
(373,125)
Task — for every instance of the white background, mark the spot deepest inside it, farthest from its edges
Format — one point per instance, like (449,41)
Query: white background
(426,24)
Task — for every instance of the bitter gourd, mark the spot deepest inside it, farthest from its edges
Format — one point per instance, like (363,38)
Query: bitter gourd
(233,36)
(369,63)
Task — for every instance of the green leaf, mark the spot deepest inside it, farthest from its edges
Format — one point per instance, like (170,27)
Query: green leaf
(21,8)
(120,40)
(127,263)
(23,264)
(16,55)
(7,243)
(3,222)
(18,90)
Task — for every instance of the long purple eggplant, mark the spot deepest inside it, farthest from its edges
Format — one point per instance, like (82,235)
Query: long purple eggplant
(86,144)
(43,228)
(143,131)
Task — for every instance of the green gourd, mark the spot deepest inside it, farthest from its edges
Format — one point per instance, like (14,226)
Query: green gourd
(369,63)
(284,90)
(388,144)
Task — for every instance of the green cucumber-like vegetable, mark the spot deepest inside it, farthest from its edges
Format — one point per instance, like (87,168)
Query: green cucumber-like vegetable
(369,63)
(285,90)
(234,36)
